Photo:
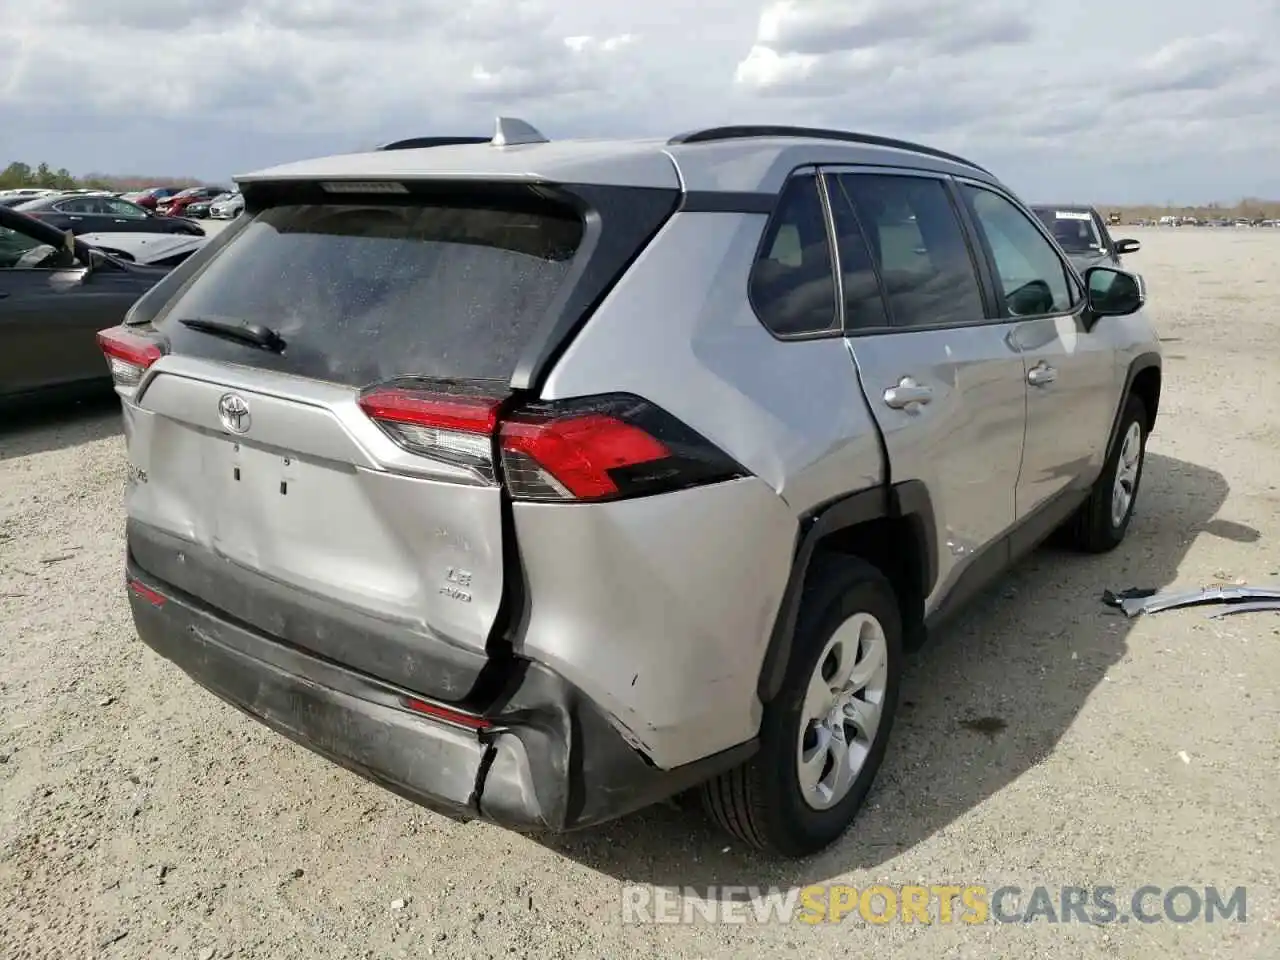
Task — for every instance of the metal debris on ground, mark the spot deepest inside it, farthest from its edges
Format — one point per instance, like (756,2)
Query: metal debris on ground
(1135,601)
(1257,606)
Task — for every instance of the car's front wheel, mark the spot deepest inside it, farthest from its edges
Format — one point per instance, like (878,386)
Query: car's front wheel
(823,737)
(1103,520)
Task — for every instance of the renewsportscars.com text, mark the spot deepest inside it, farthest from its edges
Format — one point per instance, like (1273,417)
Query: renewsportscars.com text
(935,904)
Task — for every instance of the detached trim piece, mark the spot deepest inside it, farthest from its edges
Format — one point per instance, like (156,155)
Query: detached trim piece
(1268,597)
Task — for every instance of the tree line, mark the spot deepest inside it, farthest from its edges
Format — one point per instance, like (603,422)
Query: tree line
(18,174)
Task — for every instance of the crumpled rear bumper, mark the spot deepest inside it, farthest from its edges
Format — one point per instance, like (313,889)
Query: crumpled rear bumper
(545,759)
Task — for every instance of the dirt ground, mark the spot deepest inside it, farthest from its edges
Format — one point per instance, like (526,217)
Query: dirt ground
(142,818)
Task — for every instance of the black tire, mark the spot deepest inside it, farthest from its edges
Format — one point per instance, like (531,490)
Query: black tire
(761,802)
(1093,530)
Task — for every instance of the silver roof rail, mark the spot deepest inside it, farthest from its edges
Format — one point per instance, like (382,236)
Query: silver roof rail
(511,131)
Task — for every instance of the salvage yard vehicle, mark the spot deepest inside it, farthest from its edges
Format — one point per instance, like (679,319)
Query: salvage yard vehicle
(147,249)
(56,293)
(1083,235)
(470,555)
(176,206)
(89,214)
(227,207)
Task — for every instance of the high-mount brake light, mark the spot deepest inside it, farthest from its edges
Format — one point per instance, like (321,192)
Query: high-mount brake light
(128,354)
(363,186)
(452,428)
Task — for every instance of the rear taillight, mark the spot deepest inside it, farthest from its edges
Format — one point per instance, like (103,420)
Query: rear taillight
(128,354)
(447,426)
(596,448)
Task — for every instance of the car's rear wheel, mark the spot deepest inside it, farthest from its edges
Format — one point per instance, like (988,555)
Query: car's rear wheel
(823,737)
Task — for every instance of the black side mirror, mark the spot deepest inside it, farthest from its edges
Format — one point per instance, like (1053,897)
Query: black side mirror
(1114,293)
(1128,246)
(92,258)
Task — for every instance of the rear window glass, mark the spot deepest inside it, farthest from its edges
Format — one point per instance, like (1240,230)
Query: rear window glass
(367,292)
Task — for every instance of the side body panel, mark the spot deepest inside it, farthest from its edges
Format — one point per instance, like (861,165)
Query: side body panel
(1076,368)
(689,584)
(1068,417)
(965,444)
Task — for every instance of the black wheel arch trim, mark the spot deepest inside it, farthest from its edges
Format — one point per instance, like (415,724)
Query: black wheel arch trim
(908,499)
(1139,364)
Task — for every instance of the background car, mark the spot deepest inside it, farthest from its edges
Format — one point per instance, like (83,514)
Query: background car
(148,249)
(1082,233)
(56,293)
(150,197)
(176,205)
(227,207)
(89,214)
(10,198)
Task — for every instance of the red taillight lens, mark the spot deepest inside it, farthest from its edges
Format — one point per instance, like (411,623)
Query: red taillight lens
(128,354)
(588,449)
(453,428)
(604,448)
(574,455)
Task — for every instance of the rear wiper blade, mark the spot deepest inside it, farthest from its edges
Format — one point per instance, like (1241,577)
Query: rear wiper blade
(254,334)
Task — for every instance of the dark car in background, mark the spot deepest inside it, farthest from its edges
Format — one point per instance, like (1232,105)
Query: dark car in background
(82,213)
(56,293)
(1082,233)
(177,205)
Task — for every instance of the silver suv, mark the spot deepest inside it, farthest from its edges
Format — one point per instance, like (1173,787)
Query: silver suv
(538,481)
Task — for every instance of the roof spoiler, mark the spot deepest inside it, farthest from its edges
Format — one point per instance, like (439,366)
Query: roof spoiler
(508,132)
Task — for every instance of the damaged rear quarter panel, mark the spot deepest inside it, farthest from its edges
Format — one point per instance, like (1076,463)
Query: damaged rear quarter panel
(659,609)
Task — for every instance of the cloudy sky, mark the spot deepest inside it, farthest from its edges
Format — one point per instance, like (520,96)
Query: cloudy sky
(1141,100)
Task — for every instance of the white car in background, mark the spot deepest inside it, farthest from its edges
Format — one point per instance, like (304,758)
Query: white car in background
(146,249)
(228,206)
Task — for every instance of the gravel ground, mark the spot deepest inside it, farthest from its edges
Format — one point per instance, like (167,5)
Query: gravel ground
(142,818)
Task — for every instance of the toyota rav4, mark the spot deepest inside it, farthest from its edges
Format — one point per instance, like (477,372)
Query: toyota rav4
(538,481)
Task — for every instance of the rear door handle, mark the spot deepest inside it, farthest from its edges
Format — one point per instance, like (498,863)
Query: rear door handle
(906,394)
(1041,374)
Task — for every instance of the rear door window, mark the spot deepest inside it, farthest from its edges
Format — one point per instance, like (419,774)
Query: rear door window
(364,292)
(864,307)
(919,246)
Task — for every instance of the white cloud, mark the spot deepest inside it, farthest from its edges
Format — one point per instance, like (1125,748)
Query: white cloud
(1111,98)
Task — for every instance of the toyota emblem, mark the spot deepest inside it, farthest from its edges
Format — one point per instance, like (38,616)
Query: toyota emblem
(233,411)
